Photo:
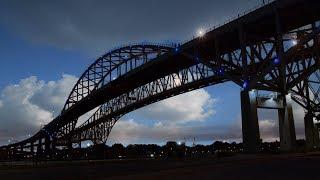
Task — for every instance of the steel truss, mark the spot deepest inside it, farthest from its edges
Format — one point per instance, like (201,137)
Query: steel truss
(98,127)
(108,68)
(261,71)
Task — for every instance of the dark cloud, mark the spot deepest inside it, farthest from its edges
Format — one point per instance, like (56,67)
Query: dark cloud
(99,25)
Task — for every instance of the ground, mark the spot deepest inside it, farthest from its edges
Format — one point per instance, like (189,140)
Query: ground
(293,166)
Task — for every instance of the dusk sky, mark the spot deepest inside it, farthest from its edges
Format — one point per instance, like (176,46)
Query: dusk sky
(46,45)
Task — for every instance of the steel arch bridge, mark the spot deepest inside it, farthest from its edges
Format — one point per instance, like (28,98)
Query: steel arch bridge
(274,48)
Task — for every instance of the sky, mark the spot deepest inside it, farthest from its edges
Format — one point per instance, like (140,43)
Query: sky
(46,45)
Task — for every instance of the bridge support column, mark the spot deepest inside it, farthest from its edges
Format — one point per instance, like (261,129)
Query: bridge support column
(311,133)
(286,126)
(250,125)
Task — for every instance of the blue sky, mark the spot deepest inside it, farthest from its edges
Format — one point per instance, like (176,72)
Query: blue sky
(46,45)
(21,59)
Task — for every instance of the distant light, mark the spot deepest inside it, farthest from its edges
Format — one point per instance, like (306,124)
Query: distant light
(152,155)
(88,144)
(179,143)
(200,32)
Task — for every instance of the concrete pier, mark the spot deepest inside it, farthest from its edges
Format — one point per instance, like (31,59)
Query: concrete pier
(250,125)
(250,102)
(311,133)
(286,126)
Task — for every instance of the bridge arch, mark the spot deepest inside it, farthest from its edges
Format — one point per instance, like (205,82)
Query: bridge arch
(107,68)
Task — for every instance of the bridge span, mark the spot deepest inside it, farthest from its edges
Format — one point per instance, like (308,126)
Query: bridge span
(274,48)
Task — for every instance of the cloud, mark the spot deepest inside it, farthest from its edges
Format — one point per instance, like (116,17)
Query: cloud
(53,94)
(269,123)
(192,106)
(172,117)
(25,105)
(133,132)
(269,130)
(30,102)
(98,25)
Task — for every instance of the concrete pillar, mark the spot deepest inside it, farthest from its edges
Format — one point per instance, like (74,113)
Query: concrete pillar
(286,126)
(250,125)
(311,133)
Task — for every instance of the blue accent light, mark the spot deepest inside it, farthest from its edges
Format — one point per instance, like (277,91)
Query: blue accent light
(245,84)
(276,61)
(221,71)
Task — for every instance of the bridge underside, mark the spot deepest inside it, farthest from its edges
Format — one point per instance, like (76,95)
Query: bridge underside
(274,49)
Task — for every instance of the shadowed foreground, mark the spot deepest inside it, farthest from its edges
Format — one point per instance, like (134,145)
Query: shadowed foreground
(238,167)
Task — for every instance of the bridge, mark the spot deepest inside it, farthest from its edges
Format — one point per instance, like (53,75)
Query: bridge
(274,49)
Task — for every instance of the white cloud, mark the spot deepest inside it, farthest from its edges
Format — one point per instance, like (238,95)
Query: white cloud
(25,105)
(172,117)
(192,106)
(269,123)
(53,94)
(130,131)
(269,130)
(30,102)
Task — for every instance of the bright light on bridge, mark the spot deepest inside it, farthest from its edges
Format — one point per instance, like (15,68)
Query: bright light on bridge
(200,32)
(294,42)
